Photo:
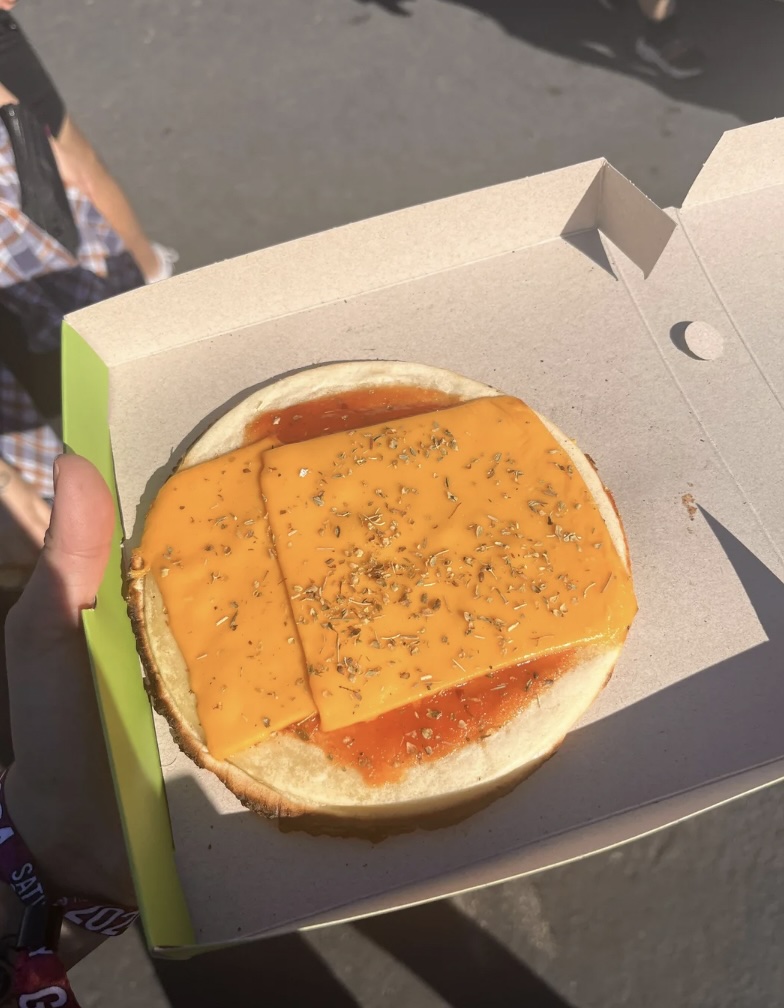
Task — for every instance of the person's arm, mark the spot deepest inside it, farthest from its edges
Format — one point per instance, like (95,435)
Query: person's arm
(59,790)
(24,518)
(80,166)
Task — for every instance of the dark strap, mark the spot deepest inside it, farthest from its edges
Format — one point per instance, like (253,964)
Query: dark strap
(43,196)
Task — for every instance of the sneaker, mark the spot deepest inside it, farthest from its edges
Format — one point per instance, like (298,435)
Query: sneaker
(167,259)
(676,57)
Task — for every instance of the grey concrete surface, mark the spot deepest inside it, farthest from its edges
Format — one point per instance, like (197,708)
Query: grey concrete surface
(238,124)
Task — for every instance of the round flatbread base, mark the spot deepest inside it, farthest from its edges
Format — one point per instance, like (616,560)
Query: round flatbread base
(290,779)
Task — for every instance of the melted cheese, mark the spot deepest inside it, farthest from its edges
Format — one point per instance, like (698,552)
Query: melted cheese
(207,544)
(425,552)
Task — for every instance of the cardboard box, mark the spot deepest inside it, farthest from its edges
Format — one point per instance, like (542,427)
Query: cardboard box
(537,287)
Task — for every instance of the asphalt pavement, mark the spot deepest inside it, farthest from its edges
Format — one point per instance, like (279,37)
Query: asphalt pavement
(239,124)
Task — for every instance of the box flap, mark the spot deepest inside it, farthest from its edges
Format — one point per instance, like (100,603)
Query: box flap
(731,229)
(631,221)
(737,397)
(377,253)
(744,160)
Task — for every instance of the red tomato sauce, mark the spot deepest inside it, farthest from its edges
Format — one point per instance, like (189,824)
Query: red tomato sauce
(383,749)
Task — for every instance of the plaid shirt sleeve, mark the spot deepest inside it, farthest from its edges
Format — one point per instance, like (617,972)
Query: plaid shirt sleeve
(39,282)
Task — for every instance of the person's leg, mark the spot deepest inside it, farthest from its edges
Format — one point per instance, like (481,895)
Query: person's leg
(80,166)
(661,45)
(657,10)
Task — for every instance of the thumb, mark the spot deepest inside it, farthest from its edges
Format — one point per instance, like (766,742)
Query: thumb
(76,547)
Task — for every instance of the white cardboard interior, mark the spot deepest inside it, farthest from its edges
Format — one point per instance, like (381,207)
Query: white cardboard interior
(514,287)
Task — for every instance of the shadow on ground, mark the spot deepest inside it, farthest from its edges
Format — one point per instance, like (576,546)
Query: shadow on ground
(741,39)
(455,957)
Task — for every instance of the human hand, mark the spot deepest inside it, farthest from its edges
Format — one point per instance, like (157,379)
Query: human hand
(59,788)
(24,518)
(7,4)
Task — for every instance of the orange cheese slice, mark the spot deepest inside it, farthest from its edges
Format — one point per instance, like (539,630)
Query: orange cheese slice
(422,553)
(208,547)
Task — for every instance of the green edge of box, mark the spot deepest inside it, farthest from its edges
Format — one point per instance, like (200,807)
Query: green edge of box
(125,708)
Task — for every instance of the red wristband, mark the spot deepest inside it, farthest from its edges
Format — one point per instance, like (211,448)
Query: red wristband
(39,977)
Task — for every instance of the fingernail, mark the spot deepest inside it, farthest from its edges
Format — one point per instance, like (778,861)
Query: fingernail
(56,471)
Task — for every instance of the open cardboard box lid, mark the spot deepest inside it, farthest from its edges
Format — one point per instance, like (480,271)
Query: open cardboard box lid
(537,287)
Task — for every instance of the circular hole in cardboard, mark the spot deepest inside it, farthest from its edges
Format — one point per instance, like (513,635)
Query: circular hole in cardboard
(698,340)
